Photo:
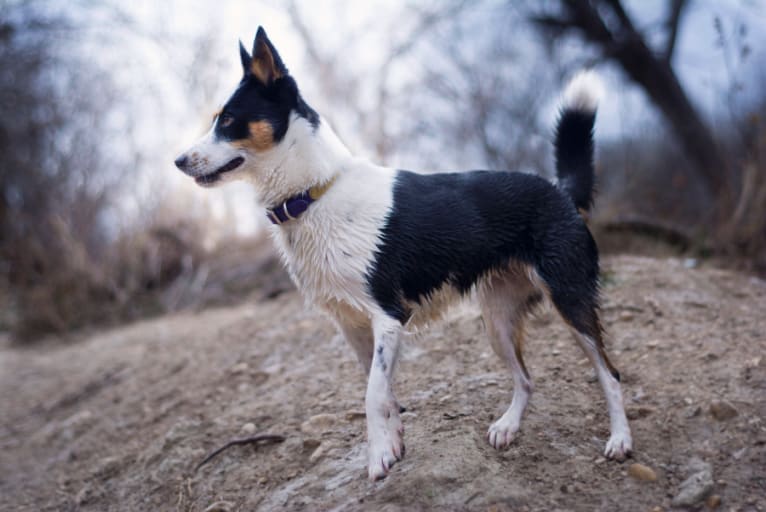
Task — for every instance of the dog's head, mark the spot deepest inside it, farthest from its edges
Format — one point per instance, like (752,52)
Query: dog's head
(248,133)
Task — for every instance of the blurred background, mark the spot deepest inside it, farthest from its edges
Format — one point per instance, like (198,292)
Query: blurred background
(99,96)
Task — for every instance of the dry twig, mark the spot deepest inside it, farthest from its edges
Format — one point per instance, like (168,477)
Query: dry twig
(260,438)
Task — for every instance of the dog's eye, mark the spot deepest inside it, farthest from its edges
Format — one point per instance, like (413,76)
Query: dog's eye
(226,120)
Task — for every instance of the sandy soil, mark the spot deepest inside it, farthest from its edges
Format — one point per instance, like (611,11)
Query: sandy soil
(118,421)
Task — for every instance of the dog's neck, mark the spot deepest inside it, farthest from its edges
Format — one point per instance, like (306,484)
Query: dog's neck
(306,157)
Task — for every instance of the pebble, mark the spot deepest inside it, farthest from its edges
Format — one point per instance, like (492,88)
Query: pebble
(636,413)
(317,453)
(722,410)
(626,316)
(695,488)
(714,501)
(355,415)
(239,368)
(319,424)
(248,428)
(642,473)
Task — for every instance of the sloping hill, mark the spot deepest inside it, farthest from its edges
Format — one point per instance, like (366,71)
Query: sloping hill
(118,421)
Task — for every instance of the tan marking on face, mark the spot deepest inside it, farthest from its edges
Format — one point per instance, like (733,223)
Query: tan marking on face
(218,113)
(261,137)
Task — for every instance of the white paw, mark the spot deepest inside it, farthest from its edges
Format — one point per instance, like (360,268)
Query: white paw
(501,433)
(385,446)
(619,446)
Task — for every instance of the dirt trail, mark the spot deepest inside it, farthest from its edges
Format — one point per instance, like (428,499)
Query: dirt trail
(118,421)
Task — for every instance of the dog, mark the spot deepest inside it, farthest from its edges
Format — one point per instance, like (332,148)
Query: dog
(384,251)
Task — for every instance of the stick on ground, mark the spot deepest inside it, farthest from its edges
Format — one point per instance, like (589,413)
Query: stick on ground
(260,438)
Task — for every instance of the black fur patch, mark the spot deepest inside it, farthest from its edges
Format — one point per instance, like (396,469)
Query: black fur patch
(454,228)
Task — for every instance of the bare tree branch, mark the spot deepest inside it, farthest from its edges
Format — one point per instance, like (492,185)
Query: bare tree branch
(673,24)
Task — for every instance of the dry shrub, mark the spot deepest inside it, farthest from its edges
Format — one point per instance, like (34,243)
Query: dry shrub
(57,285)
(165,264)
(744,233)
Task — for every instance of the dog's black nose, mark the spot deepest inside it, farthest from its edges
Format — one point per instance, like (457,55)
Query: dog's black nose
(181,161)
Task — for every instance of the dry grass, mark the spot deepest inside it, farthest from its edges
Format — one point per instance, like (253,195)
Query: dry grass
(60,286)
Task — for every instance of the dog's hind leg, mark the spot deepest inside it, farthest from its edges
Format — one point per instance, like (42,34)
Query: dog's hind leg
(582,316)
(620,442)
(505,300)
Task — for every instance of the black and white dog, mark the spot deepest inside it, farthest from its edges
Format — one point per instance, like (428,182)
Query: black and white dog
(384,251)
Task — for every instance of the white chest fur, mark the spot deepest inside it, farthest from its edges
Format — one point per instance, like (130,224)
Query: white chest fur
(330,248)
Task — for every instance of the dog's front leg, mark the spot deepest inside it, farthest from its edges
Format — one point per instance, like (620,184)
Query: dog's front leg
(384,426)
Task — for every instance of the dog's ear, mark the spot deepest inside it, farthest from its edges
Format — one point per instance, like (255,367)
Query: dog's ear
(265,64)
(245,57)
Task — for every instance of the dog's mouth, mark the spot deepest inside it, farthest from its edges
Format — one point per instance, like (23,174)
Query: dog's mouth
(207,179)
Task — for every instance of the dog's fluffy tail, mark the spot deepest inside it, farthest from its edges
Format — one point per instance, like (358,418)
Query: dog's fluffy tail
(574,138)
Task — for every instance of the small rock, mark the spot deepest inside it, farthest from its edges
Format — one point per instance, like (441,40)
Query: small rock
(107,468)
(311,444)
(248,428)
(238,368)
(714,501)
(319,424)
(445,398)
(642,473)
(657,509)
(697,487)
(722,410)
(355,415)
(636,413)
(626,316)
(317,453)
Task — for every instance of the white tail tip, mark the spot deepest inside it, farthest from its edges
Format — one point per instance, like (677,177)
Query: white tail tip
(583,92)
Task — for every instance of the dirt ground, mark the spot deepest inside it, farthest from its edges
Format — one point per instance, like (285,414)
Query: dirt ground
(118,421)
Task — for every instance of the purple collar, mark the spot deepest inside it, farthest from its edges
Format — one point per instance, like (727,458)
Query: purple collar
(294,206)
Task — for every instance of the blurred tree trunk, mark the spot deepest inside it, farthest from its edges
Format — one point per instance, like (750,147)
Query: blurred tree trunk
(607,24)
